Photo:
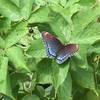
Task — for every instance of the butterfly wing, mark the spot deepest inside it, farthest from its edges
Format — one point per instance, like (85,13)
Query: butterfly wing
(52,44)
(65,52)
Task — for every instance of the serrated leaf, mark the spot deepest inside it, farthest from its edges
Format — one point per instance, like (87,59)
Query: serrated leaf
(8,9)
(16,33)
(5,87)
(16,56)
(65,89)
(84,78)
(25,8)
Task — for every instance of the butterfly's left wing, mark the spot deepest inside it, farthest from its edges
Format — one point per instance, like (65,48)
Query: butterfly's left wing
(52,44)
(66,52)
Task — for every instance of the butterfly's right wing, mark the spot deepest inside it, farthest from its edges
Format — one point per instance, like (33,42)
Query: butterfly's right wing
(52,44)
(66,52)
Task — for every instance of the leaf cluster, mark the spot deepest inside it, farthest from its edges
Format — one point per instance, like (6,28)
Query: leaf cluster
(26,73)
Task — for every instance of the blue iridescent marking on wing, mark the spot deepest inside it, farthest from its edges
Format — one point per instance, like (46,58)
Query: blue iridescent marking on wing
(55,48)
(52,44)
(66,52)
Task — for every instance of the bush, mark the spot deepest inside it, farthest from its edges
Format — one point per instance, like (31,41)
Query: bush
(26,73)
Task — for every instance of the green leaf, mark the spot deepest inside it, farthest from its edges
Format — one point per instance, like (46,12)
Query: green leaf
(86,29)
(7,98)
(67,12)
(59,73)
(71,2)
(94,55)
(18,77)
(56,22)
(84,78)
(31,63)
(8,9)
(25,8)
(37,49)
(41,15)
(16,56)
(3,69)
(53,1)
(16,2)
(51,72)
(4,24)
(50,92)
(40,91)
(89,36)
(63,2)
(2,43)
(16,33)
(80,58)
(92,96)
(41,2)
(60,27)
(5,87)
(65,89)
(31,97)
(87,2)
(95,48)
(44,71)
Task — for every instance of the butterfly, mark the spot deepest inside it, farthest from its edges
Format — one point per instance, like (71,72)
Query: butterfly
(55,49)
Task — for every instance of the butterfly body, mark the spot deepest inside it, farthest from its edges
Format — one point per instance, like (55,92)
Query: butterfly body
(56,49)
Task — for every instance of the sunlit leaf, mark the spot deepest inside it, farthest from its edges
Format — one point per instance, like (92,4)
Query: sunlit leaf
(65,89)
(8,9)
(59,74)
(41,15)
(2,43)
(37,49)
(86,29)
(25,8)
(5,86)
(16,33)
(44,71)
(16,56)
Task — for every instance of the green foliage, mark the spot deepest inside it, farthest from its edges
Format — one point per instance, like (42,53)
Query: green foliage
(26,73)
